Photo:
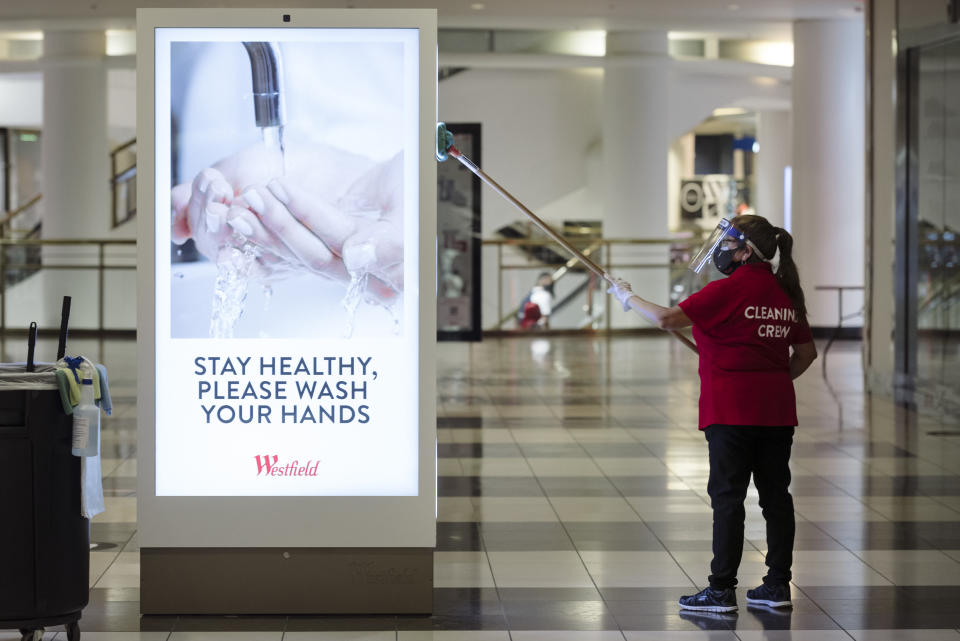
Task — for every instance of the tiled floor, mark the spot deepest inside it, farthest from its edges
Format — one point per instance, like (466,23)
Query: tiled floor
(573,507)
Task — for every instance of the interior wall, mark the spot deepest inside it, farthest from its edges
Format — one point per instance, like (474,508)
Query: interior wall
(538,128)
(22,100)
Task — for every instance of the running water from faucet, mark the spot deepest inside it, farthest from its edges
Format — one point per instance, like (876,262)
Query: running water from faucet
(273,140)
(362,266)
(235,266)
(352,299)
(230,292)
(359,281)
(269,108)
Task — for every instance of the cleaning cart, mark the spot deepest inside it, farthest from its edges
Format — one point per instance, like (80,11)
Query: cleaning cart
(44,541)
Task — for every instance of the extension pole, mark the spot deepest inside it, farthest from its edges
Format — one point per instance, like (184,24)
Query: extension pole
(589,264)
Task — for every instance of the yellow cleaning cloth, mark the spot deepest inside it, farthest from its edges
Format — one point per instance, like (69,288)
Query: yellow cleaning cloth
(75,386)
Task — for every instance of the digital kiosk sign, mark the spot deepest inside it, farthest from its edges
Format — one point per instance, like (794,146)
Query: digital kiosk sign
(287,312)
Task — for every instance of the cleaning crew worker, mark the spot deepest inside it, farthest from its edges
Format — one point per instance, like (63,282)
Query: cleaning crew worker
(753,338)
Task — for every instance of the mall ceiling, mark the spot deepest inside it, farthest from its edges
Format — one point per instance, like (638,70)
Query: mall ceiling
(739,18)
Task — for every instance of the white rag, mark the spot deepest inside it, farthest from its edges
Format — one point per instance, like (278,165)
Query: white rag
(91,487)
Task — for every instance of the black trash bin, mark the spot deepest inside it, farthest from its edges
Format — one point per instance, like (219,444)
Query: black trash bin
(44,541)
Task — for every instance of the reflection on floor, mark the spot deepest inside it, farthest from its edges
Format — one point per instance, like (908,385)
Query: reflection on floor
(573,506)
(937,374)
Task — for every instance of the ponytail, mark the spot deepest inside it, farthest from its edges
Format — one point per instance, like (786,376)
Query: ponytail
(787,272)
(775,243)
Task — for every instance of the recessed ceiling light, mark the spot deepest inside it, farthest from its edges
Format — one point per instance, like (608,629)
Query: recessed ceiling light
(478,6)
(733,7)
(765,81)
(21,35)
(720,112)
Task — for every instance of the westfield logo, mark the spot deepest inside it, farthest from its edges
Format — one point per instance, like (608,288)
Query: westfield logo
(269,465)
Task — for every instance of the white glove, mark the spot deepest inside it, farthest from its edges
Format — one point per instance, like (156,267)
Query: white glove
(622,290)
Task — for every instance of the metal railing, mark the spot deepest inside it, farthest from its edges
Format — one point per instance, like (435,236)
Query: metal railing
(123,178)
(589,251)
(99,262)
(123,192)
(6,229)
(601,252)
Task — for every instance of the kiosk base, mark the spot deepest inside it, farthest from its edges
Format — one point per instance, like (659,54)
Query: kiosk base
(286,581)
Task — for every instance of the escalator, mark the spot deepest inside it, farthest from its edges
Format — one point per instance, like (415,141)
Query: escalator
(542,253)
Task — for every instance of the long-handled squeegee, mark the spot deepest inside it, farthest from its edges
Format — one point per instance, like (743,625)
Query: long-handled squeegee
(445,149)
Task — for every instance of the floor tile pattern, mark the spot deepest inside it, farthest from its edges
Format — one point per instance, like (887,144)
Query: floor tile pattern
(573,506)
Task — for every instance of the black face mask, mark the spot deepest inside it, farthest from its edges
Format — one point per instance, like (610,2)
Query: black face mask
(723,259)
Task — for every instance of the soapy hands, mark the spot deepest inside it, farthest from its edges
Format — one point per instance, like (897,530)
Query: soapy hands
(331,212)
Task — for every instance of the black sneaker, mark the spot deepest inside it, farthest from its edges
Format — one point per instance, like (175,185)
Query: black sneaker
(710,600)
(775,595)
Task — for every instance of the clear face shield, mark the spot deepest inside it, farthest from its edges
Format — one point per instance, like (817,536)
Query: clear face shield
(725,232)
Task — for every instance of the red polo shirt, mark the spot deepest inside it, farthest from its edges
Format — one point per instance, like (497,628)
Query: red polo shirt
(744,326)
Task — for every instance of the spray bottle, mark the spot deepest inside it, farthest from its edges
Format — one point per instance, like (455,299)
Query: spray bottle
(86,421)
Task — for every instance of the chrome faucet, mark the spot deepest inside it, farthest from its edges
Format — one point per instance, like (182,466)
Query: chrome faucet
(268,101)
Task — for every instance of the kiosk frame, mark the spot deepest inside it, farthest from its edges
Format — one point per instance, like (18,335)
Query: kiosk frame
(285,554)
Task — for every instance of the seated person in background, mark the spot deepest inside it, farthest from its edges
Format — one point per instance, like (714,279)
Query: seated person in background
(537,305)
(530,315)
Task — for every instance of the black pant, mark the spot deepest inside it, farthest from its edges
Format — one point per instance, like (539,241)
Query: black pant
(736,451)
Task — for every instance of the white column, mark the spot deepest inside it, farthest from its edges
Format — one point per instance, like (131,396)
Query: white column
(679,167)
(75,172)
(738,162)
(828,170)
(711,48)
(689,167)
(75,146)
(773,136)
(635,146)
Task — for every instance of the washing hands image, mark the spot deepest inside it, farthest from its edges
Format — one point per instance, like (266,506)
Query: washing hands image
(295,207)
(335,214)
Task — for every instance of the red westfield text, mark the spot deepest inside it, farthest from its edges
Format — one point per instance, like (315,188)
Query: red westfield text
(269,465)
